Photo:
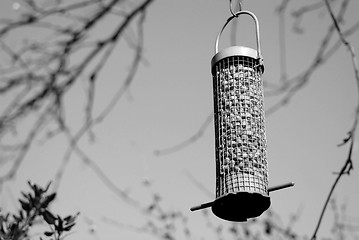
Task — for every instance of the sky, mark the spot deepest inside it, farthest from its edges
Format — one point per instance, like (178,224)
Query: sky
(170,99)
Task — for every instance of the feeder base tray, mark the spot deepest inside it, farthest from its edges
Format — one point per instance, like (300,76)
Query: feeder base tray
(240,206)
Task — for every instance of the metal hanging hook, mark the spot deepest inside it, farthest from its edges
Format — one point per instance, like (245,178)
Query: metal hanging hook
(236,15)
(231,7)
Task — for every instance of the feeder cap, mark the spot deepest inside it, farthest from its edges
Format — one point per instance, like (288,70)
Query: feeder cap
(236,51)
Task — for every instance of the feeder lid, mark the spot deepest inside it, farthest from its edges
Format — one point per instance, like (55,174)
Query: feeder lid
(236,51)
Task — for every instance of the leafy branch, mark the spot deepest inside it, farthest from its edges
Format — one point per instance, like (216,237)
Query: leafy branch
(35,210)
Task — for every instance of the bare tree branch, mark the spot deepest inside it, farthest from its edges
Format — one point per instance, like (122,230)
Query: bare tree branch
(348,165)
(290,87)
(90,121)
(55,81)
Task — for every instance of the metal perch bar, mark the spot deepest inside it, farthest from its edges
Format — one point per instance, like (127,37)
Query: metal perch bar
(202,206)
(271,189)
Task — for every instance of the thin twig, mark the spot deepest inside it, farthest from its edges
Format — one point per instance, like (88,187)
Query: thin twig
(291,87)
(38,125)
(197,135)
(199,185)
(348,165)
(282,40)
(299,14)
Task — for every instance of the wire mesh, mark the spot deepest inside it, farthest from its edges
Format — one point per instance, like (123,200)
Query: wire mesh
(241,157)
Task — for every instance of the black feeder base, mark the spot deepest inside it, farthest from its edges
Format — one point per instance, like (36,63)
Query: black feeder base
(240,206)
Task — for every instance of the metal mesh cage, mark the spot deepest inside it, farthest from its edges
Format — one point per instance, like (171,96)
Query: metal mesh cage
(241,158)
(239,123)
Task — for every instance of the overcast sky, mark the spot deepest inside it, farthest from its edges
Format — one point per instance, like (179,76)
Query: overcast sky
(170,99)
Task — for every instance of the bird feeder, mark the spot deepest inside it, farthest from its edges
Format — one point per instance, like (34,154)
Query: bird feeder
(240,137)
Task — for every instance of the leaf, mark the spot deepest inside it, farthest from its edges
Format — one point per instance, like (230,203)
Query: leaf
(68,228)
(21,213)
(24,205)
(68,218)
(59,226)
(168,236)
(24,195)
(49,217)
(49,234)
(36,189)
(268,228)
(48,200)
(233,230)
(47,187)
(151,207)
